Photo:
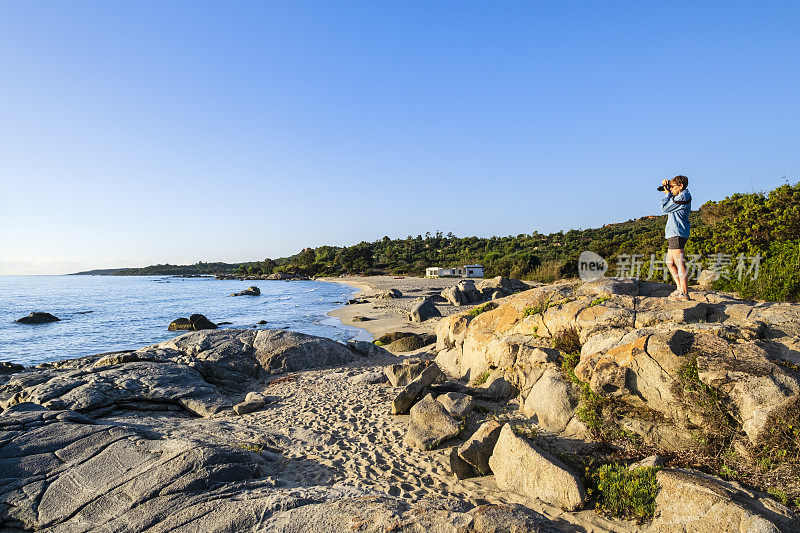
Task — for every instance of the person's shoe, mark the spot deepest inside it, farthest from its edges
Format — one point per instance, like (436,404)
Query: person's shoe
(681,298)
(674,294)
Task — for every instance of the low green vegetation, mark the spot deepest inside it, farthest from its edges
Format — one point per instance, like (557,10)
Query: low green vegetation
(590,410)
(480,380)
(591,405)
(475,311)
(719,428)
(569,363)
(538,308)
(777,454)
(624,493)
(780,442)
(598,301)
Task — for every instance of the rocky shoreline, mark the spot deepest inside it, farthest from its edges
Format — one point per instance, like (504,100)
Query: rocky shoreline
(486,430)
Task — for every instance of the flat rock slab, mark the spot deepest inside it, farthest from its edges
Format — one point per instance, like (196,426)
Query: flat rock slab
(379,514)
(688,500)
(522,467)
(87,390)
(60,470)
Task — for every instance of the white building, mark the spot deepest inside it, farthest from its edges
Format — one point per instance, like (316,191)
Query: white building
(466,271)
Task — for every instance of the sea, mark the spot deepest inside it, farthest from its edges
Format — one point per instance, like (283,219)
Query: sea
(109,313)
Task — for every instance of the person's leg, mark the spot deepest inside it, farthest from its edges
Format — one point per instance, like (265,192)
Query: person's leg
(683,274)
(673,268)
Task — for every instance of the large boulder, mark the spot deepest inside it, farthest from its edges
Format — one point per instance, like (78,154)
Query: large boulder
(656,368)
(423,311)
(457,405)
(97,389)
(406,398)
(237,354)
(7,367)
(470,292)
(430,424)
(607,287)
(368,349)
(688,500)
(522,467)
(411,342)
(501,287)
(279,276)
(287,351)
(479,447)
(37,318)
(454,296)
(388,338)
(379,514)
(250,291)
(402,374)
(552,400)
(389,294)
(706,279)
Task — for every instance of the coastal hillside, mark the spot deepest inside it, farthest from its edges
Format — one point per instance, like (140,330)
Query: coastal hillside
(763,225)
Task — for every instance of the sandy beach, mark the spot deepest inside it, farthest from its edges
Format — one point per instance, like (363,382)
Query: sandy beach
(390,315)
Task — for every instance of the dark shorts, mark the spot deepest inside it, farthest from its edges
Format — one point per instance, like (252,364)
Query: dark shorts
(676,243)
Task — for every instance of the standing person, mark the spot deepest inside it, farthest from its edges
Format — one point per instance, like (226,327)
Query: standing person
(677,205)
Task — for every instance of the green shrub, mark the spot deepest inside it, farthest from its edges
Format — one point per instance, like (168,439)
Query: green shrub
(778,277)
(598,301)
(475,311)
(780,442)
(568,365)
(567,340)
(719,428)
(627,493)
(590,409)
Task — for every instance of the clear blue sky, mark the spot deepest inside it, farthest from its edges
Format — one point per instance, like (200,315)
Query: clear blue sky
(134,133)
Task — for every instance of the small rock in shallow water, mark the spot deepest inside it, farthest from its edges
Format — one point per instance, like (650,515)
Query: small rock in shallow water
(196,322)
(38,318)
(250,291)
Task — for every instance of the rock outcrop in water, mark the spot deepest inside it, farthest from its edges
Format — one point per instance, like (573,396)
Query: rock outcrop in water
(38,318)
(250,291)
(195,322)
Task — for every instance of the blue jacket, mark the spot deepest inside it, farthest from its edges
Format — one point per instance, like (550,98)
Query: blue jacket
(677,209)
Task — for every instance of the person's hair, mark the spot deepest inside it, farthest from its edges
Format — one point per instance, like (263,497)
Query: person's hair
(680,180)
